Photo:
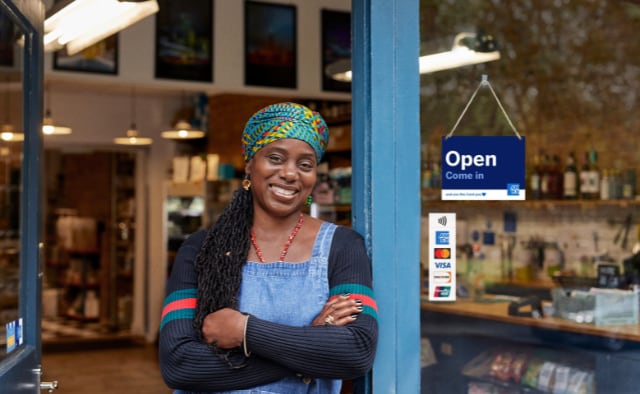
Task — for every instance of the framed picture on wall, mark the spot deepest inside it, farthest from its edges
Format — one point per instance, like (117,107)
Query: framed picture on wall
(270,45)
(336,48)
(100,58)
(7,38)
(184,40)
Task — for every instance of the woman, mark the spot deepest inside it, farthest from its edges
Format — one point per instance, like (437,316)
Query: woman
(270,300)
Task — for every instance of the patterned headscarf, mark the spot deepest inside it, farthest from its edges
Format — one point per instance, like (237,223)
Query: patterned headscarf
(284,120)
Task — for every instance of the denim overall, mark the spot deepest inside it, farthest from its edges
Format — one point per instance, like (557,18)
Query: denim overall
(291,294)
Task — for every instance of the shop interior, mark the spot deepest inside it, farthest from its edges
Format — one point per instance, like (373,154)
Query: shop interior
(545,299)
(567,76)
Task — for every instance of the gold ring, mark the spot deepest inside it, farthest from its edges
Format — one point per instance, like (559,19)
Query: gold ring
(328,320)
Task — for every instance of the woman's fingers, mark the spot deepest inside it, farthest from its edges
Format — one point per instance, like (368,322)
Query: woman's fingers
(339,311)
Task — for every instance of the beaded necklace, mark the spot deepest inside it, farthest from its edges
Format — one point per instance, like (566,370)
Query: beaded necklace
(287,244)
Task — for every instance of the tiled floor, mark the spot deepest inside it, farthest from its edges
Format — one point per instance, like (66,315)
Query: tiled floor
(122,370)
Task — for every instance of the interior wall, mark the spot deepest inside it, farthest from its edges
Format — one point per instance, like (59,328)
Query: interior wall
(98,108)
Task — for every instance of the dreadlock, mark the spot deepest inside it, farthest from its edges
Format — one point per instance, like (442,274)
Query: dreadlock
(222,256)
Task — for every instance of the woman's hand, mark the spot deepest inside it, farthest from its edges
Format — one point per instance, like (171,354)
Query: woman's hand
(338,311)
(224,328)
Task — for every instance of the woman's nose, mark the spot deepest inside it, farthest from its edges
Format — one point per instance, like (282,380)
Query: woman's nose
(288,171)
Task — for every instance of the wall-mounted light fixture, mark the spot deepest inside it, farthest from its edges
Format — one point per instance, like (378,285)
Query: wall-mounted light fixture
(132,136)
(77,24)
(467,49)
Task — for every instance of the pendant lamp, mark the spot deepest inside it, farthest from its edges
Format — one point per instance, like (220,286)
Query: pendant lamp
(48,126)
(132,136)
(183,130)
(7,131)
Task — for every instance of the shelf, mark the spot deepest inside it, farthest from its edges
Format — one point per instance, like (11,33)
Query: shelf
(83,252)
(73,316)
(497,311)
(539,204)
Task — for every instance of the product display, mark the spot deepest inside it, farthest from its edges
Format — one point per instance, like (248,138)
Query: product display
(515,370)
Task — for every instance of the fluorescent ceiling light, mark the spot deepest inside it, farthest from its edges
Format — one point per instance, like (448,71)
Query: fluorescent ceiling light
(78,24)
(482,50)
(460,55)
(183,131)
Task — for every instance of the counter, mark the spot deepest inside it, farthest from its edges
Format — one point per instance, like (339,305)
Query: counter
(496,310)
(461,331)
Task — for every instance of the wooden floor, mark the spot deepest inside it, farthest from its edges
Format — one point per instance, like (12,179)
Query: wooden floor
(130,369)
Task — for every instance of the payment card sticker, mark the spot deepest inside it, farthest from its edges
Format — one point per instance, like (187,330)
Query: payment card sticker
(14,334)
(11,336)
(442,257)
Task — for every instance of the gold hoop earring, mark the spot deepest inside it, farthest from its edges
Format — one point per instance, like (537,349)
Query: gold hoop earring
(246,183)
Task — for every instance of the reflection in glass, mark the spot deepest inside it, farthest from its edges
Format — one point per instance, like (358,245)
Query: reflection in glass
(10,180)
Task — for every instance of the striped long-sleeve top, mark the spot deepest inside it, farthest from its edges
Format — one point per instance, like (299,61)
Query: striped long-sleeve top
(278,351)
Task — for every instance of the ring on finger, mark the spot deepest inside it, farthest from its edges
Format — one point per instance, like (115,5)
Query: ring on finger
(329,320)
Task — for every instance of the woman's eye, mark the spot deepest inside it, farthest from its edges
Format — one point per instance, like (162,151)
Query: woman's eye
(306,165)
(275,159)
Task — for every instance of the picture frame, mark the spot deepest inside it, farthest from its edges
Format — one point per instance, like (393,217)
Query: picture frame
(270,45)
(184,40)
(99,58)
(336,46)
(7,38)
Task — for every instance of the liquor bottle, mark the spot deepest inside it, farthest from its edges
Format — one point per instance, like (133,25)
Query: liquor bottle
(585,189)
(556,178)
(593,176)
(534,179)
(605,185)
(570,179)
(545,176)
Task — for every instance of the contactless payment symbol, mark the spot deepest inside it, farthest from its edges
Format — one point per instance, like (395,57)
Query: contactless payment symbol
(442,238)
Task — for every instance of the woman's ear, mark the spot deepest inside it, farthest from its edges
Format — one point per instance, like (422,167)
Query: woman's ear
(247,167)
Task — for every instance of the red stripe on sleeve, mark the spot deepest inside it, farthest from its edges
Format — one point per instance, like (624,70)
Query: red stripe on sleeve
(187,303)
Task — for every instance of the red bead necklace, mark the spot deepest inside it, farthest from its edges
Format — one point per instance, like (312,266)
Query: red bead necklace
(287,244)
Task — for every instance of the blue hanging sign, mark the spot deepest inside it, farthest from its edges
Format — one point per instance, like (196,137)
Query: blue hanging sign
(483,168)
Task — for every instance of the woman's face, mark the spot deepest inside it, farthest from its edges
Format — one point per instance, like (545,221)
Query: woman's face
(283,174)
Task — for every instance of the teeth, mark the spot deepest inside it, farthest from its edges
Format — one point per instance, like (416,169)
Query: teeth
(280,190)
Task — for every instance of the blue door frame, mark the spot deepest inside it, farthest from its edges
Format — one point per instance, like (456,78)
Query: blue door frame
(386,173)
(386,198)
(20,372)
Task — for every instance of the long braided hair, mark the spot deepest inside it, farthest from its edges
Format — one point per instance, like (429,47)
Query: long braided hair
(222,256)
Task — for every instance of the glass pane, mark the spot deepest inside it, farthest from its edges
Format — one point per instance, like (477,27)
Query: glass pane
(527,316)
(10,180)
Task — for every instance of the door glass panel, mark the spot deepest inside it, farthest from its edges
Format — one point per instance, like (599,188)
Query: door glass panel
(11,140)
(534,277)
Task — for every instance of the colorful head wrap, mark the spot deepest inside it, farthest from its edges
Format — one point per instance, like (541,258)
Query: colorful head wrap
(284,120)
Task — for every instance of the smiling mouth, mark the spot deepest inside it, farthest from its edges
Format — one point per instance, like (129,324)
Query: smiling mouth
(283,192)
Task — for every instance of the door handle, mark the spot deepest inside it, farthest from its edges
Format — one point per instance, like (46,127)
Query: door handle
(50,386)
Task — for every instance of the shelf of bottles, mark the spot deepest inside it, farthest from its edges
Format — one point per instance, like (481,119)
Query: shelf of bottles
(548,179)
